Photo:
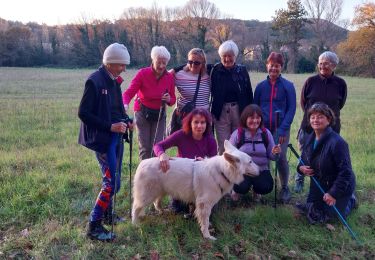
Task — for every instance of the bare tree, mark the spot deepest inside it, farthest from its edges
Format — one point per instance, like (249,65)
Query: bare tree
(200,14)
(324,15)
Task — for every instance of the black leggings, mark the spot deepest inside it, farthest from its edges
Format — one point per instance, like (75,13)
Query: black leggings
(261,184)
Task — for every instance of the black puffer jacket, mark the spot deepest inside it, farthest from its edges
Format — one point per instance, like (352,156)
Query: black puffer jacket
(331,163)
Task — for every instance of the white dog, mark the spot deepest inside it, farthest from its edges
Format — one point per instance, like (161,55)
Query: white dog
(201,182)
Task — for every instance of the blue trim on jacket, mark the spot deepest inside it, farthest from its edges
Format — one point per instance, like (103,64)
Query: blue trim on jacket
(285,102)
(95,111)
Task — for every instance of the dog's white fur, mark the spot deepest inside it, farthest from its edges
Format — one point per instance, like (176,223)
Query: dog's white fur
(199,182)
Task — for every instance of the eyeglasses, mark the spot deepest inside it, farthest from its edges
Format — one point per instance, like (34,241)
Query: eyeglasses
(195,62)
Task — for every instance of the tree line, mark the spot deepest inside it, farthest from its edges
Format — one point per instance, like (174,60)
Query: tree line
(301,32)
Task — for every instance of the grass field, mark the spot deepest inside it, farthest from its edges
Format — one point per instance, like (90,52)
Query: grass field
(48,184)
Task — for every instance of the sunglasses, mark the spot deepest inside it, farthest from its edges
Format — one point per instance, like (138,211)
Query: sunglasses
(195,62)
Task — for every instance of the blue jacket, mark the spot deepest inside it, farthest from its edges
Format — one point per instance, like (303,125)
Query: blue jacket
(95,111)
(331,163)
(284,100)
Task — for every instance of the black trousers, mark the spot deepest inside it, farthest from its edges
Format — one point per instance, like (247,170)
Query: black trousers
(262,184)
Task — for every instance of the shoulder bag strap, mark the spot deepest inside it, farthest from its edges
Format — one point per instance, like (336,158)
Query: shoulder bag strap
(197,88)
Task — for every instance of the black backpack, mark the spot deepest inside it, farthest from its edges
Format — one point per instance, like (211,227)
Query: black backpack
(241,138)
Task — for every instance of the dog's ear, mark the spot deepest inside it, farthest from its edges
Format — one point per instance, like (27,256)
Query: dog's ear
(231,158)
(228,146)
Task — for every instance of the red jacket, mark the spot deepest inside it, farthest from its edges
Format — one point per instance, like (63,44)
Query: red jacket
(149,89)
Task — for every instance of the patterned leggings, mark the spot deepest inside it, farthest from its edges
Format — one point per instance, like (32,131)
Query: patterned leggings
(108,164)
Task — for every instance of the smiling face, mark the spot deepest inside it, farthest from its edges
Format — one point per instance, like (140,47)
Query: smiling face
(228,59)
(319,122)
(198,126)
(326,67)
(159,65)
(274,69)
(253,122)
(195,63)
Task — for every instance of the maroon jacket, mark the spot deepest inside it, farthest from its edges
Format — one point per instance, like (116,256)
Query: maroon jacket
(331,91)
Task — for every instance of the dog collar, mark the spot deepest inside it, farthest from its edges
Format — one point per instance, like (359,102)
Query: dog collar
(225,177)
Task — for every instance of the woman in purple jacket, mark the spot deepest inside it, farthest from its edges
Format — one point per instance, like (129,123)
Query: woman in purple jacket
(255,140)
(193,141)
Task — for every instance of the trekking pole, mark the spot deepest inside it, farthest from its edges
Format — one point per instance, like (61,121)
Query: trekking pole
(120,145)
(322,190)
(276,138)
(162,108)
(130,169)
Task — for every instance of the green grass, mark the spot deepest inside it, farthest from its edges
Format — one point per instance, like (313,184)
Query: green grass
(49,184)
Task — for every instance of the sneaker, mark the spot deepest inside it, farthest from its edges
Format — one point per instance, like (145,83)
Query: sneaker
(107,220)
(284,195)
(299,186)
(96,231)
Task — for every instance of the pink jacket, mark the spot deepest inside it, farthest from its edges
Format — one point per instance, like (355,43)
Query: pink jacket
(149,89)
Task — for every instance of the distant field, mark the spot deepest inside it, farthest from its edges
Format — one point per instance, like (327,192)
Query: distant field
(49,184)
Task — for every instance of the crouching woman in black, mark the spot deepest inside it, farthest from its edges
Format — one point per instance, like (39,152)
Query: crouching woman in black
(326,157)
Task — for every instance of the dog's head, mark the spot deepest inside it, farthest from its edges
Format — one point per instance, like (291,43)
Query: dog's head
(239,162)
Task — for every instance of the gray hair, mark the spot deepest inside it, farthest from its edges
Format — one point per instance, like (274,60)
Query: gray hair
(160,52)
(228,46)
(331,56)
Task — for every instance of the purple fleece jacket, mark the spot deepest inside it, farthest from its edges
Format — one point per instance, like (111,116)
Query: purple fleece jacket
(258,152)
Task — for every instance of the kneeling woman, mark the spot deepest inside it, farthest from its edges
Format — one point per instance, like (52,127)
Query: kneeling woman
(255,140)
(194,141)
(326,155)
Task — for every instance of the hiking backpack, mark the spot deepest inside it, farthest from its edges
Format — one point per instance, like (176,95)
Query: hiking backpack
(241,137)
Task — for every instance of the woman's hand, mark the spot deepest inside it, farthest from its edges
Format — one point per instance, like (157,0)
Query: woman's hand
(164,162)
(306,170)
(166,98)
(199,158)
(329,199)
(276,149)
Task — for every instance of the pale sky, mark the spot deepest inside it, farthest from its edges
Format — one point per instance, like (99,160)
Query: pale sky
(70,11)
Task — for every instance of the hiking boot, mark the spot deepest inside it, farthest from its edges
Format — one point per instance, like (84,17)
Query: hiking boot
(284,195)
(107,220)
(96,231)
(299,186)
